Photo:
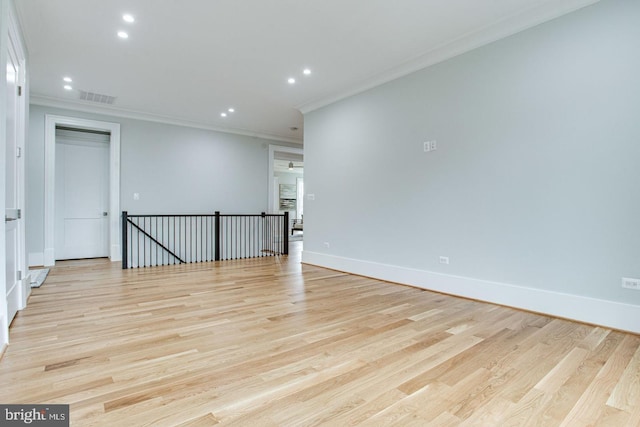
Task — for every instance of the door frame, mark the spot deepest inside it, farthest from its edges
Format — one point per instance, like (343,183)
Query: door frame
(51,121)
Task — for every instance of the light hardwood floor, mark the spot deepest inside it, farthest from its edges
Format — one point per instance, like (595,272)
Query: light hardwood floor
(272,342)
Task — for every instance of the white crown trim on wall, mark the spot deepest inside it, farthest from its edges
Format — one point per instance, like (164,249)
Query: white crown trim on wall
(138,115)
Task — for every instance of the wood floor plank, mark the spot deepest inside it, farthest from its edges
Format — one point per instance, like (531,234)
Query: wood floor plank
(564,398)
(626,394)
(272,342)
(592,402)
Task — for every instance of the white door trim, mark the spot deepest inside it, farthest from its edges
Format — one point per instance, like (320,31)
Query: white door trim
(272,182)
(49,181)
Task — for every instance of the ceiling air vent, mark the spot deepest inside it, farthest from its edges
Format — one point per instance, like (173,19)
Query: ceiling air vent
(97,97)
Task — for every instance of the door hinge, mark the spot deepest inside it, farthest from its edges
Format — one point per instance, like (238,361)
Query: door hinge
(18,152)
(19,90)
(18,275)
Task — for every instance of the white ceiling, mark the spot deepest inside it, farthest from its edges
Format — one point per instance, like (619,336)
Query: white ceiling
(187,61)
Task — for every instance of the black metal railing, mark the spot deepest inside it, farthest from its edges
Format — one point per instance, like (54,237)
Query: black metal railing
(152,240)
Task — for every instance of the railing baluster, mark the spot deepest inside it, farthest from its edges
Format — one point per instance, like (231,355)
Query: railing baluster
(170,239)
(138,249)
(182,239)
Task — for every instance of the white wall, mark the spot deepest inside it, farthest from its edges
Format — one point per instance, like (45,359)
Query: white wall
(288,177)
(174,169)
(533,192)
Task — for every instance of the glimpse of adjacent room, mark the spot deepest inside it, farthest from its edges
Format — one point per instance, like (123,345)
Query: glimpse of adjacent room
(288,190)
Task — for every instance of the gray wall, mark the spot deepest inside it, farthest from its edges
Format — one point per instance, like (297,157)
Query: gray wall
(536,179)
(174,169)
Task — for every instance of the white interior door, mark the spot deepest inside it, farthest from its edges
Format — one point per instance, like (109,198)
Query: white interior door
(82,199)
(12,214)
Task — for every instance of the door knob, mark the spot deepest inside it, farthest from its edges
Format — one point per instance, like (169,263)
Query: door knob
(12,215)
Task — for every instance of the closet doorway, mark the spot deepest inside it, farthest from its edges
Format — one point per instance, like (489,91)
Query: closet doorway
(112,212)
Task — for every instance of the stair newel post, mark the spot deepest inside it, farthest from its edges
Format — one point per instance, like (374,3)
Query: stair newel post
(217,236)
(285,240)
(125,245)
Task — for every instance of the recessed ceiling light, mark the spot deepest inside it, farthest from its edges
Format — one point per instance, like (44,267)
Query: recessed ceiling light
(291,80)
(306,71)
(128,18)
(231,110)
(223,114)
(123,35)
(68,87)
(67,79)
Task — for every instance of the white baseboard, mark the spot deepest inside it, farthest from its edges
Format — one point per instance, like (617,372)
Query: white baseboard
(116,253)
(583,309)
(36,259)
(49,257)
(25,291)
(4,333)
(39,259)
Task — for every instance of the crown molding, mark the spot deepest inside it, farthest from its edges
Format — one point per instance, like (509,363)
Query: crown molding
(85,107)
(514,24)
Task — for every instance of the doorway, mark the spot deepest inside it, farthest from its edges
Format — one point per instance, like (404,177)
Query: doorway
(278,152)
(51,250)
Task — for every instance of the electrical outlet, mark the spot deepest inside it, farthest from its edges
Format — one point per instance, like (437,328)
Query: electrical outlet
(327,245)
(631,283)
(444,260)
(430,145)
